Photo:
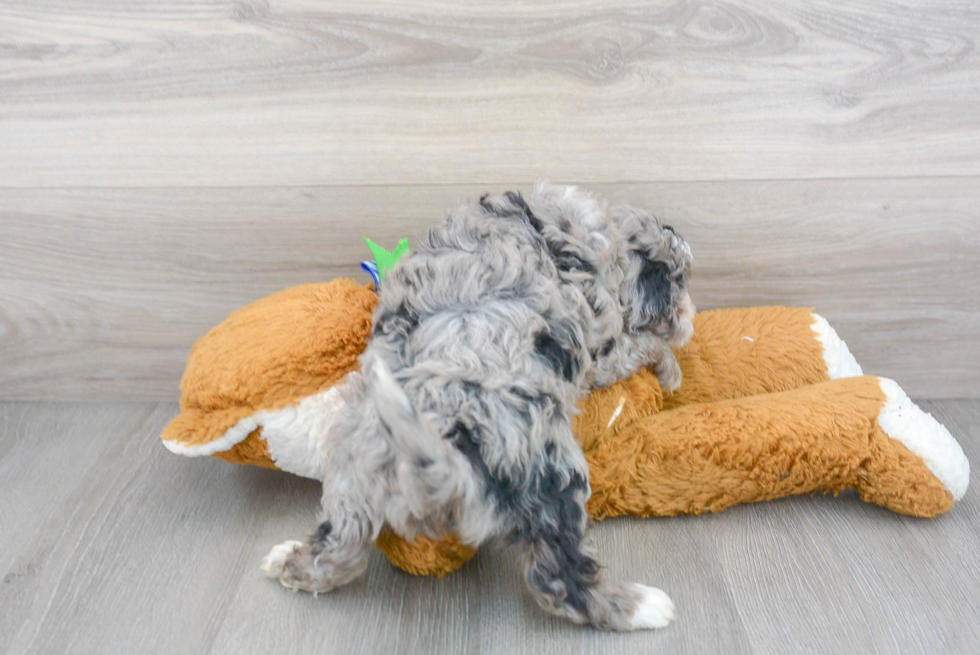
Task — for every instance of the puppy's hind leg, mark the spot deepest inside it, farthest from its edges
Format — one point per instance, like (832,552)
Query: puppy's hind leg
(335,552)
(561,569)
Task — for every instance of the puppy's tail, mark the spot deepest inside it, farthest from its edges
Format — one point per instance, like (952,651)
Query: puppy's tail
(427,473)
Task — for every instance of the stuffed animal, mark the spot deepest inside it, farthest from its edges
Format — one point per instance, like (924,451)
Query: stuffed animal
(772,404)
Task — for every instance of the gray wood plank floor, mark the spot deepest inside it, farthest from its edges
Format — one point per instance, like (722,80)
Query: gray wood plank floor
(109,543)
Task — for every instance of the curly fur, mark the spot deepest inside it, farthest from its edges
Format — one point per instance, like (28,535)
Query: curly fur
(484,339)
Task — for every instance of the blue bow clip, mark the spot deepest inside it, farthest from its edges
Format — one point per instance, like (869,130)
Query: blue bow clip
(371,269)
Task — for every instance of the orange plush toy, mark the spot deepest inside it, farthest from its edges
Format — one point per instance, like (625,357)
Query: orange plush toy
(772,404)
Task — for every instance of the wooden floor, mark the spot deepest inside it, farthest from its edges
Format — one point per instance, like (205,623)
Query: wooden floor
(112,544)
(163,162)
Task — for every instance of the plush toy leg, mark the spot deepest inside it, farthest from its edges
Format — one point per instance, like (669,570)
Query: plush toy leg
(424,555)
(745,352)
(859,433)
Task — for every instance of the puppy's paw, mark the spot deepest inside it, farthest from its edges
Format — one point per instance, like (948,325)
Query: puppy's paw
(654,609)
(669,374)
(274,563)
(684,327)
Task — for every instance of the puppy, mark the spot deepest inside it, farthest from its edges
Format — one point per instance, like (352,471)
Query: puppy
(459,421)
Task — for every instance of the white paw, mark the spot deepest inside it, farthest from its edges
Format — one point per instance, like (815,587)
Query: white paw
(654,610)
(838,359)
(906,422)
(274,562)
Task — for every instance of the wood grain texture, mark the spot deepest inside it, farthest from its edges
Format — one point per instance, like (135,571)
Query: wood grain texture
(299,92)
(112,543)
(105,290)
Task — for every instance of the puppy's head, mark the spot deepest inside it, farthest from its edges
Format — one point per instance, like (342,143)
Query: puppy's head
(657,269)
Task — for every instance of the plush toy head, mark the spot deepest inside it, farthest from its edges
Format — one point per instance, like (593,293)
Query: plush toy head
(258,386)
(772,404)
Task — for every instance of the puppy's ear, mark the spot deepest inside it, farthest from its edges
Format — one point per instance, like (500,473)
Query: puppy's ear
(657,267)
(654,291)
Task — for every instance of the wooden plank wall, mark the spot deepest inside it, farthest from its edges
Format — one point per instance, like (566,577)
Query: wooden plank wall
(163,162)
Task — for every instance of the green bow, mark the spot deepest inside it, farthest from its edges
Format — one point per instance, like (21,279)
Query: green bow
(385,260)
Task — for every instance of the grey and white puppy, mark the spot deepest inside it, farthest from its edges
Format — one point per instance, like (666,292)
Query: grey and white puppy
(510,312)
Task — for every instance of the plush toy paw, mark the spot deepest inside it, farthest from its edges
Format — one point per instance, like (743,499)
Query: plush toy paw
(840,362)
(918,467)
